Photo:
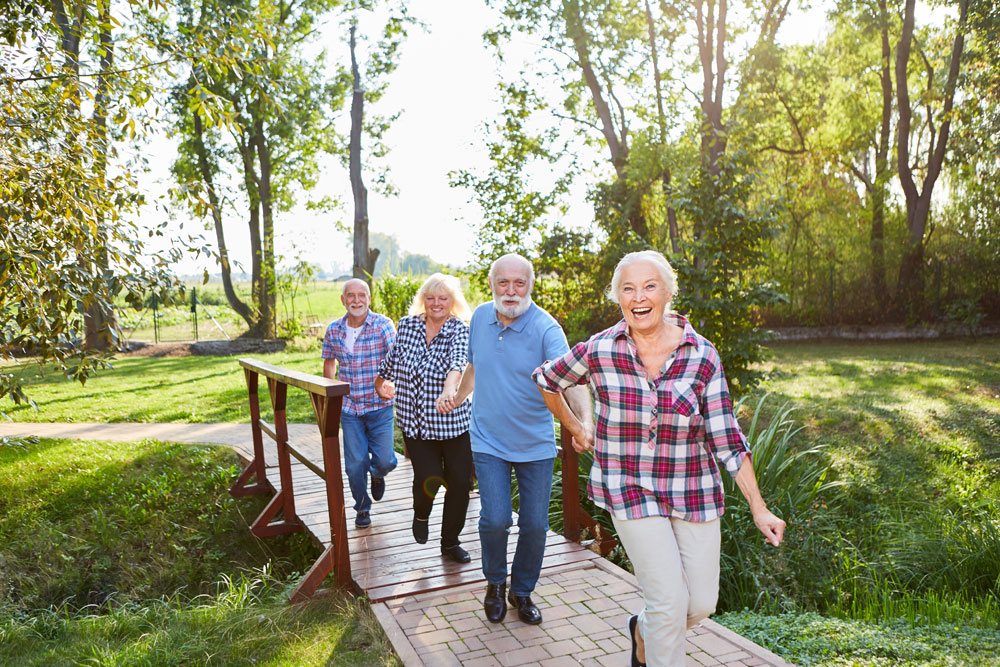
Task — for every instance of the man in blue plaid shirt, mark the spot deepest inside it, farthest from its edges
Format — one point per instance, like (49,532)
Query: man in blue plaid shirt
(353,348)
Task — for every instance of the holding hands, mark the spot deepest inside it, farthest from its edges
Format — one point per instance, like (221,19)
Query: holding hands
(385,389)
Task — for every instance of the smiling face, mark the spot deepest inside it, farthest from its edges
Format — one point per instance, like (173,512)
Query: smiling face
(511,285)
(356,300)
(643,296)
(437,306)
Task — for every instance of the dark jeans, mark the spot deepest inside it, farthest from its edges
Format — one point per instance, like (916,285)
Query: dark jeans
(437,462)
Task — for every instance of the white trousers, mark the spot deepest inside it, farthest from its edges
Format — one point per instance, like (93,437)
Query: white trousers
(677,565)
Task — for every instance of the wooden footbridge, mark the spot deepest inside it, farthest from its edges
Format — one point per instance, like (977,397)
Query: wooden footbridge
(428,605)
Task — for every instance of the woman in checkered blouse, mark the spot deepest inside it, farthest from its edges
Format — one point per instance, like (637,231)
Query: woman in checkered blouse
(422,372)
(665,425)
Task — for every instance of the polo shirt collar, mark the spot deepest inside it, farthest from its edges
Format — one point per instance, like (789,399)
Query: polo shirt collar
(519,323)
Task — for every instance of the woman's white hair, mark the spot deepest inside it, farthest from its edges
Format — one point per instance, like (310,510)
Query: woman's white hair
(437,283)
(667,273)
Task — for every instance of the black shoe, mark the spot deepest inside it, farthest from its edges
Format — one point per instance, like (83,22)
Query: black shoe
(378,488)
(456,553)
(362,520)
(420,530)
(493,604)
(635,645)
(526,609)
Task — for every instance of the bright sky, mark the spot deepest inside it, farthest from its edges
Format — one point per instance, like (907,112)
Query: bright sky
(445,87)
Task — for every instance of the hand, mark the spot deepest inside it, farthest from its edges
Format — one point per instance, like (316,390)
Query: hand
(583,442)
(387,391)
(772,527)
(446,402)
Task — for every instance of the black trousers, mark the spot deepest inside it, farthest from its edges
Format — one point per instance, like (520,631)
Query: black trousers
(437,462)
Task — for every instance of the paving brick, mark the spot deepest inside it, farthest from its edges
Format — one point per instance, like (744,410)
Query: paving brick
(485,661)
(524,631)
(601,604)
(560,648)
(429,639)
(565,631)
(585,644)
(590,624)
(704,658)
(570,596)
(561,661)
(502,644)
(472,655)
(732,657)
(440,659)
(616,659)
(524,656)
(713,644)
(469,624)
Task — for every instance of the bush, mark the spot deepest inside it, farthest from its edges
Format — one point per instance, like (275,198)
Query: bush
(393,295)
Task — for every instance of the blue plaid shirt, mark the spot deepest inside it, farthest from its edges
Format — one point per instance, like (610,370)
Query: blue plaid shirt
(359,368)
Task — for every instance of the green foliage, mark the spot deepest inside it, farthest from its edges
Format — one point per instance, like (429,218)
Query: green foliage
(136,554)
(810,639)
(721,289)
(394,294)
(69,246)
(793,480)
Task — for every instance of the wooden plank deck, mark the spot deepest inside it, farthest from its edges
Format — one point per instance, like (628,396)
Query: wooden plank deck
(430,606)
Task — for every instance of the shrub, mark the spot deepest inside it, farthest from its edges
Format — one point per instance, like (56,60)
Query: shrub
(393,295)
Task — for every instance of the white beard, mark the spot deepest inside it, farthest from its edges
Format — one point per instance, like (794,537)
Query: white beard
(515,311)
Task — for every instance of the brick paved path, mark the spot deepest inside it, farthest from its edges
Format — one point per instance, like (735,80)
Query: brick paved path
(585,605)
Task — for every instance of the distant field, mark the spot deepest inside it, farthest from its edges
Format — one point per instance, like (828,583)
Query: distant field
(317,303)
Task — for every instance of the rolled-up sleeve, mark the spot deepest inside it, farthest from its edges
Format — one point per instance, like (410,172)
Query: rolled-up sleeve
(566,371)
(723,435)
(458,354)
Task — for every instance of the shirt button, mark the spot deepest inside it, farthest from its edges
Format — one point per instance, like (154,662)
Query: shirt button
(501,337)
(654,411)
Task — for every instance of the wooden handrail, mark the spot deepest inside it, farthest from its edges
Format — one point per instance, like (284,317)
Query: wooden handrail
(326,396)
(575,519)
(314,384)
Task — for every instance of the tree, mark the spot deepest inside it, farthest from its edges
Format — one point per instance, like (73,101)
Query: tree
(69,246)
(910,286)
(264,110)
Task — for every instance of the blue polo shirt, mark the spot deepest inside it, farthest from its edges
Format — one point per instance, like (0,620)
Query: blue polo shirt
(509,417)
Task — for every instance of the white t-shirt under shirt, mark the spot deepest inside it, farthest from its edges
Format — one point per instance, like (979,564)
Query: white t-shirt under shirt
(352,337)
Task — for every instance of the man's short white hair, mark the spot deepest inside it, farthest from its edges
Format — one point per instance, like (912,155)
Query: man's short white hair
(515,257)
(368,289)
(667,273)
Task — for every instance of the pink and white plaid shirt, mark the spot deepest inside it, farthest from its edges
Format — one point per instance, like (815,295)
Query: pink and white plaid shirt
(656,444)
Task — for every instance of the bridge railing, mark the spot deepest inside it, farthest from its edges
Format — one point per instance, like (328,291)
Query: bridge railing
(326,396)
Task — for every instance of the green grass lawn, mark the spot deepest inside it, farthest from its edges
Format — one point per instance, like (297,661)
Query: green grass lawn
(910,538)
(134,553)
(163,389)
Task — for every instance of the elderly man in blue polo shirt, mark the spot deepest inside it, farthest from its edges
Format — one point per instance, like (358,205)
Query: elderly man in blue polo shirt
(512,431)
(353,348)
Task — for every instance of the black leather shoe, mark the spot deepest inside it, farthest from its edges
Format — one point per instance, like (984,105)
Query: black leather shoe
(420,530)
(456,553)
(635,646)
(494,604)
(526,609)
(378,488)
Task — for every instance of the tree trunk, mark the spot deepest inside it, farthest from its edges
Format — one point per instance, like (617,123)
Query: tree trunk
(258,285)
(268,270)
(910,287)
(241,309)
(364,258)
(882,173)
(661,117)
(615,137)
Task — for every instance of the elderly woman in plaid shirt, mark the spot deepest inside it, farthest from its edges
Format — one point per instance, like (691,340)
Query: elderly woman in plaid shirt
(665,424)
(422,372)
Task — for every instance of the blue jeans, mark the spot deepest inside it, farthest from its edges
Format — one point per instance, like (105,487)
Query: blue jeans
(534,483)
(367,448)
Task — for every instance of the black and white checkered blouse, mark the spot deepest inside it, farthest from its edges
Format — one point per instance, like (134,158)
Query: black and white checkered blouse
(418,370)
